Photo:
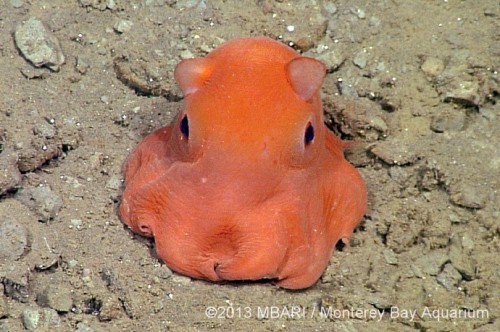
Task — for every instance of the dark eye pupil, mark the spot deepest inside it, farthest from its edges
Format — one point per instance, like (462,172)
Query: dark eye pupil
(184,126)
(309,134)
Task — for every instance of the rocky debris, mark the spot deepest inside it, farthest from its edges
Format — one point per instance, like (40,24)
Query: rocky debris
(146,78)
(468,195)
(98,4)
(448,121)
(17,3)
(327,53)
(460,250)
(38,45)
(360,59)
(4,310)
(465,92)
(83,327)
(111,309)
(56,297)
(430,263)
(15,281)
(432,67)
(122,26)
(14,238)
(390,257)
(40,319)
(395,152)
(36,155)
(41,200)
(10,176)
(449,277)
(355,119)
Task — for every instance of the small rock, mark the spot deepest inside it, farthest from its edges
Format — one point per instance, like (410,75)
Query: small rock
(10,176)
(30,318)
(181,280)
(81,65)
(431,263)
(111,309)
(330,7)
(395,152)
(114,182)
(460,255)
(16,282)
(4,309)
(83,327)
(14,240)
(449,277)
(41,200)
(186,54)
(56,297)
(40,320)
(462,92)
(38,45)
(186,4)
(163,272)
(123,26)
(332,59)
(432,66)
(468,195)
(360,59)
(390,257)
(44,130)
(17,3)
(76,223)
(448,121)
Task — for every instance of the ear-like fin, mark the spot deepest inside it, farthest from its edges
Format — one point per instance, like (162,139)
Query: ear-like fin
(306,76)
(190,74)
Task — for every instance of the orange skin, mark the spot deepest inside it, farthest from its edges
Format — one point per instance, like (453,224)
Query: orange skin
(238,187)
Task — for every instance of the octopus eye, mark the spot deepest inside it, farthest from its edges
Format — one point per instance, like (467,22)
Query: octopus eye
(309,134)
(184,126)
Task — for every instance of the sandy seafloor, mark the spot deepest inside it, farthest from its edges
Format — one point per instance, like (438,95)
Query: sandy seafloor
(414,83)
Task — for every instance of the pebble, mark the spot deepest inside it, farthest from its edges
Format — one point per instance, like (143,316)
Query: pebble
(123,26)
(76,223)
(56,297)
(38,45)
(186,54)
(111,309)
(360,59)
(40,320)
(432,66)
(41,200)
(114,182)
(330,7)
(181,280)
(449,277)
(468,195)
(4,309)
(10,176)
(81,65)
(83,327)
(395,152)
(17,3)
(330,57)
(390,257)
(44,130)
(431,263)
(14,240)
(462,92)
(186,4)
(448,121)
(460,255)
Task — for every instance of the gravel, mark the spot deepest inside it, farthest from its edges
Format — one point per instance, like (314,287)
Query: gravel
(38,45)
